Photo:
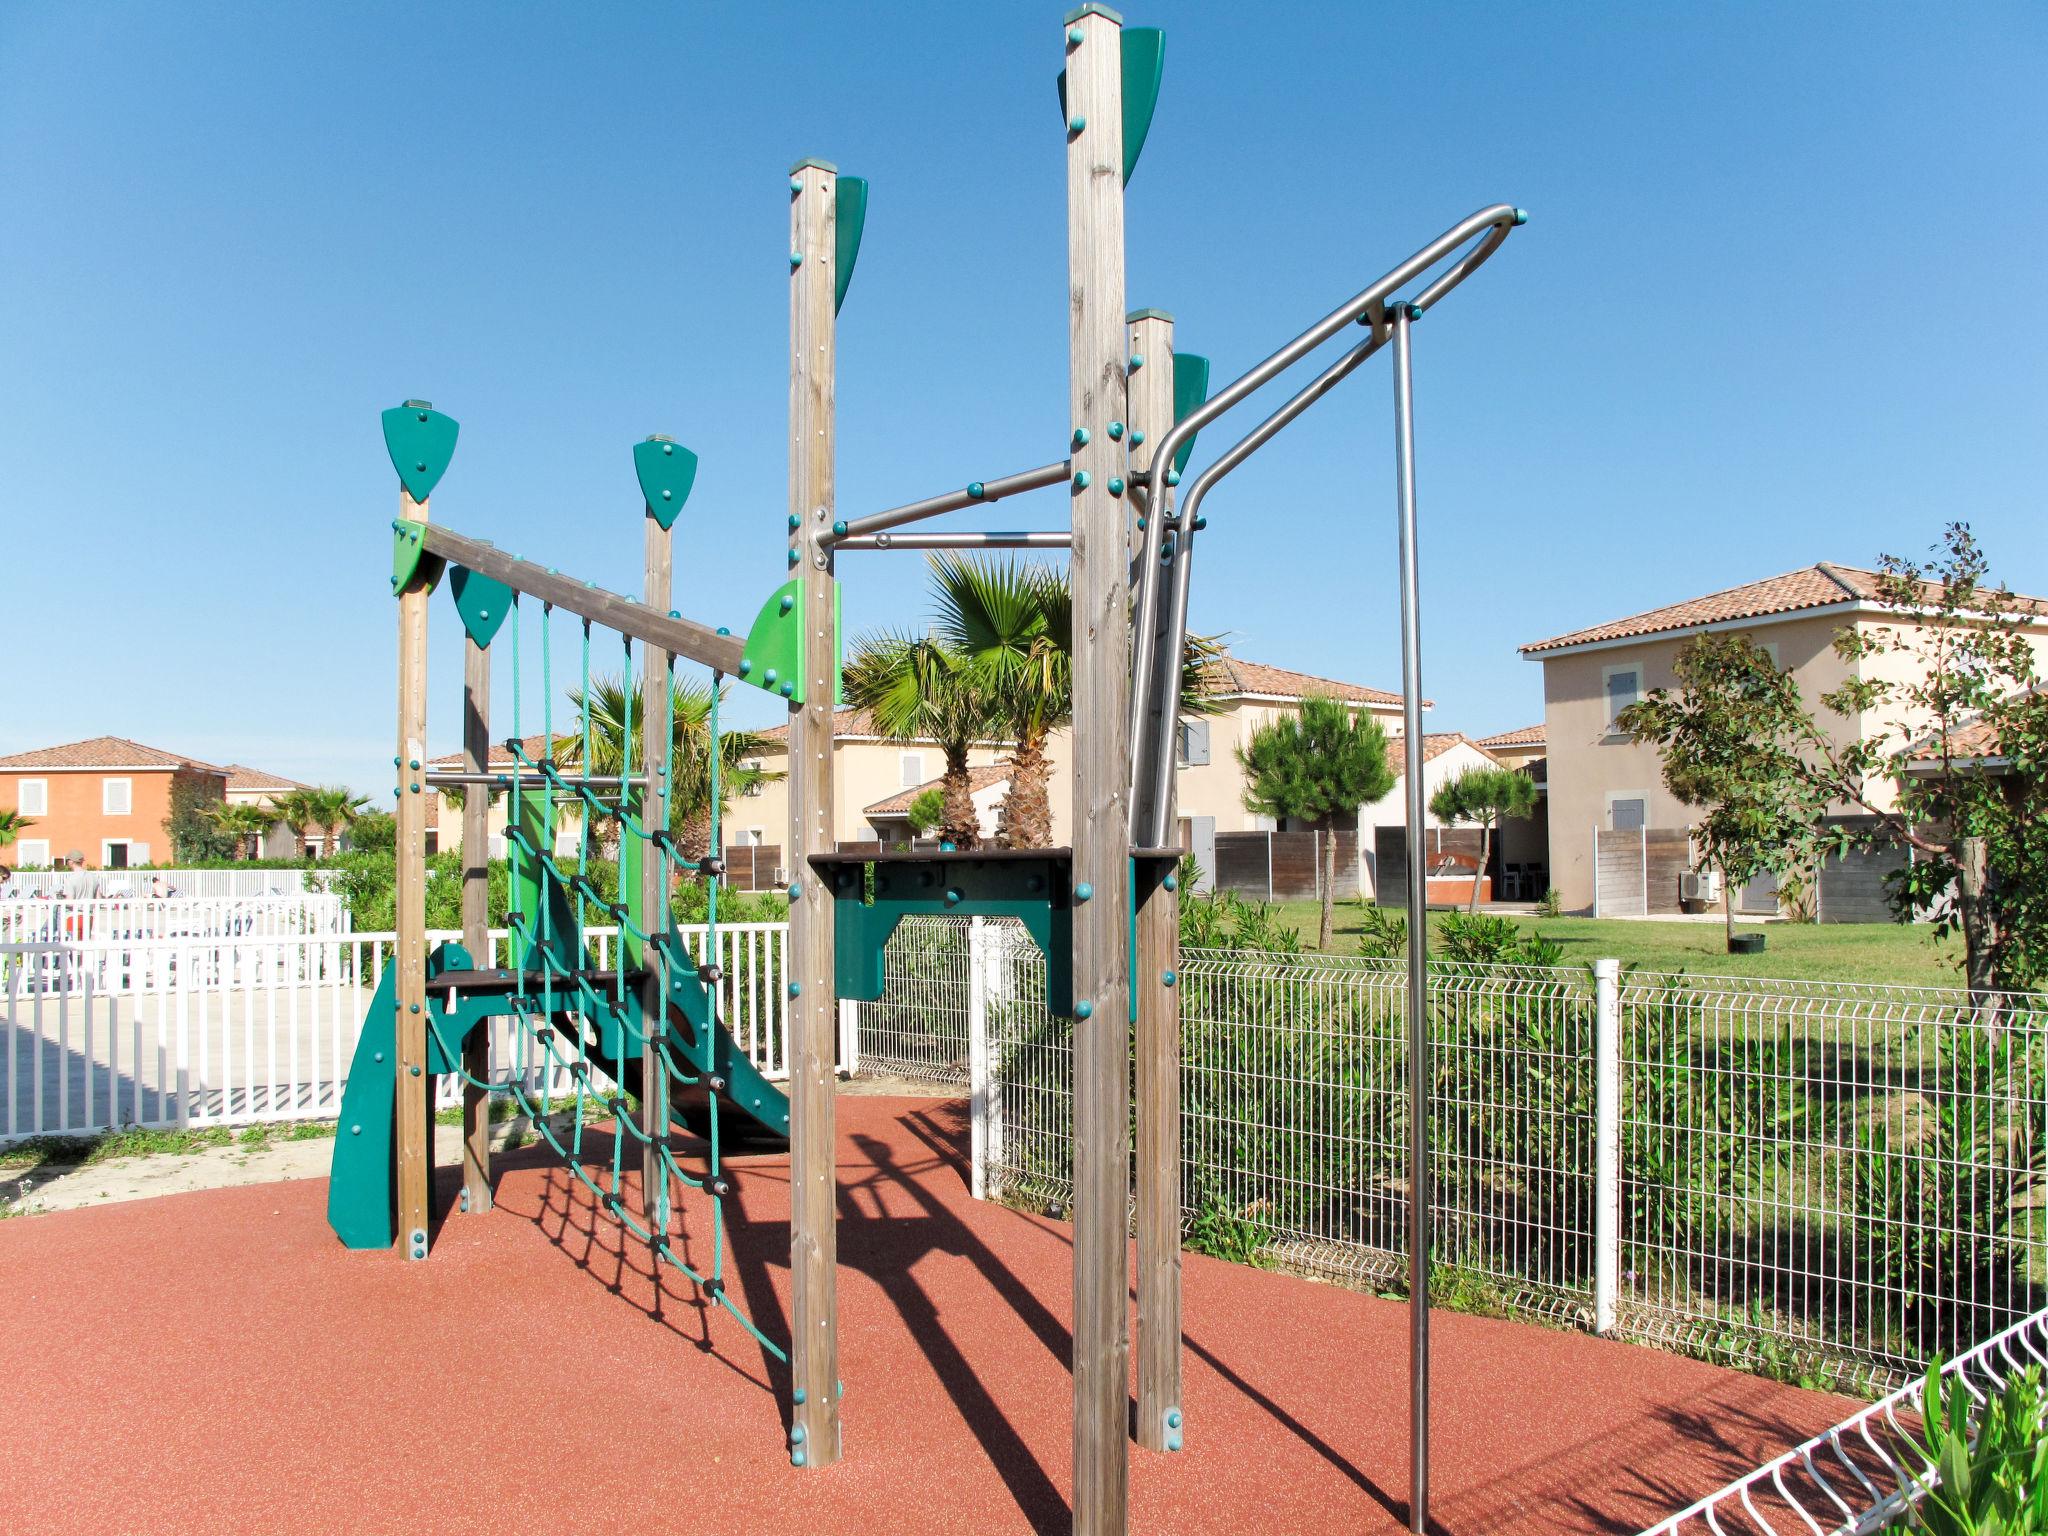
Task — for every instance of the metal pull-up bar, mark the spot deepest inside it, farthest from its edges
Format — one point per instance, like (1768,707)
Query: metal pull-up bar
(975,493)
(1059,538)
(1484,231)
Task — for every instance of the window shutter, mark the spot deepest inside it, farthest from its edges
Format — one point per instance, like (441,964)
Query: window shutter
(1194,743)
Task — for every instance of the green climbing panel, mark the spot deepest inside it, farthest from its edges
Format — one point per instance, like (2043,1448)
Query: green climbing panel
(482,601)
(773,659)
(667,470)
(420,441)
(1190,390)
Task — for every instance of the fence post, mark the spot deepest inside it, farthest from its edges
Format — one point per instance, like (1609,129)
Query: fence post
(1606,1142)
(1596,871)
(849,1037)
(1269,864)
(977,1056)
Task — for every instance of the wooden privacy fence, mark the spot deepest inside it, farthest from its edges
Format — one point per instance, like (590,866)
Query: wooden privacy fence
(754,867)
(1637,870)
(1390,862)
(1284,866)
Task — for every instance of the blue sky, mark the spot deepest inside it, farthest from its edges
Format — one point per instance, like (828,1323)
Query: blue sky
(1780,300)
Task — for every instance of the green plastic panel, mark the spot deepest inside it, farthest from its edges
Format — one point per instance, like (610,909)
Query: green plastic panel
(667,470)
(849,219)
(1144,65)
(420,441)
(409,557)
(1190,389)
(774,649)
(482,601)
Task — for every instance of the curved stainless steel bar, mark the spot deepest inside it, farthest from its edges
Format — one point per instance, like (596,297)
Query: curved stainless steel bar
(1489,226)
(1155,702)
(974,495)
(1056,539)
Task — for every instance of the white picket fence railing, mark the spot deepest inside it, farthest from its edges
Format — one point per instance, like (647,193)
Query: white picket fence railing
(232,1030)
(212,884)
(92,920)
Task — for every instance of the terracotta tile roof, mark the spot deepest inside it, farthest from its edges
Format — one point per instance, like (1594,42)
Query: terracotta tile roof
(1973,739)
(105,752)
(243,777)
(1434,745)
(1527,736)
(899,803)
(1231,677)
(501,755)
(1820,585)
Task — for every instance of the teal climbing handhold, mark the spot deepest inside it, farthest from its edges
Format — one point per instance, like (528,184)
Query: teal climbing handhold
(1084,1009)
(746,666)
(1141,525)
(794,556)
(796,1458)
(1171,882)
(1173,1418)
(415,1008)
(788,601)
(1137,361)
(795,987)
(795,894)
(788,690)
(1116,431)
(796,184)
(795,522)
(797,1397)
(1173,477)
(1083,891)
(1116,486)
(722,629)
(796,259)
(1080,437)
(1080,479)
(415,1070)
(796,1434)
(1076,124)
(1137,438)
(1173,1441)
(1166,978)
(1074,36)
(768,678)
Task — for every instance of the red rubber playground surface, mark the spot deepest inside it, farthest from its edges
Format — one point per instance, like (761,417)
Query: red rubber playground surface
(216,1362)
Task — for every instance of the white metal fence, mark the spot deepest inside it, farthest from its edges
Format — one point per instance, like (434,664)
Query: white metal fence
(234,884)
(1826,1181)
(93,919)
(234,1030)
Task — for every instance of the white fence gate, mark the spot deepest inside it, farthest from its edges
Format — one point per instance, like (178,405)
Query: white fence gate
(232,1030)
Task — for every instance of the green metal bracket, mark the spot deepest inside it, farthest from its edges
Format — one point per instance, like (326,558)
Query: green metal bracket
(773,659)
(849,219)
(482,601)
(1190,390)
(420,441)
(667,470)
(409,557)
(1144,65)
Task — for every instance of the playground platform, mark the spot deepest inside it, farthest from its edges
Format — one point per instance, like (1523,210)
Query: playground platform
(217,1362)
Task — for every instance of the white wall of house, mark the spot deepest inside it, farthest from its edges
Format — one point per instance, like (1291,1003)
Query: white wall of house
(1390,812)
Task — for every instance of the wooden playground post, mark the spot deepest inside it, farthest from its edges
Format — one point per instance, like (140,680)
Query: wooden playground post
(657,734)
(813,1016)
(1092,38)
(1157,987)
(410,1123)
(476,918)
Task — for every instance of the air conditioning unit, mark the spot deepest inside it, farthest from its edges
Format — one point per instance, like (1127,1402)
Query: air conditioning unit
(1703,885)
(782,874)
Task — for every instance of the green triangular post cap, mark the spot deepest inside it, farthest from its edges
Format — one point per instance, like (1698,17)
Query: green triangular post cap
(812,163)
(1144,61)
(849,218)
(667,470)
(1147,314)
(420,441)
(1092,10)
(483,602)
(1190,389)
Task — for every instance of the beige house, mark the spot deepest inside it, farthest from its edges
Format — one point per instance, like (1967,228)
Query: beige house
(253,786)
(1598,780)
(1524,844)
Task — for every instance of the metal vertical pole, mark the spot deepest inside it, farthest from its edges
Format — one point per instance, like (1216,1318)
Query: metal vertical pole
(1093,42)
(813,1233)
(1418,934)
(1606,1142)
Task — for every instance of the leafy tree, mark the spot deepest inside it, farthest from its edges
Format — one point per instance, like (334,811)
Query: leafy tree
(1953,770)
(927,811)
(915,689)
(374,832)
(1484,796)
(1317,766)
(12,825)
(689,810)
(242,823)
(300,810)
(194,837)
(335,809)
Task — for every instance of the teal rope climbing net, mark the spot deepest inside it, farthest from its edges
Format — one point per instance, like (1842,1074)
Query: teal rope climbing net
(564,1011)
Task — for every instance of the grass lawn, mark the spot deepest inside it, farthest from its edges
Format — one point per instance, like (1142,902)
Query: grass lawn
(1795,951)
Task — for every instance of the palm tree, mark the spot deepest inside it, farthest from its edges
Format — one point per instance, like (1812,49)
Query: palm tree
(916,689)
(689,812)
(12,825)
(242,821)
(338,806)
(1011,626)
(298,809)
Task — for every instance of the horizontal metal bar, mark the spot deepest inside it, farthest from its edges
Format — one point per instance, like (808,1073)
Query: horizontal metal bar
(650,626)
(1058,539)
(462,778)
(973,495)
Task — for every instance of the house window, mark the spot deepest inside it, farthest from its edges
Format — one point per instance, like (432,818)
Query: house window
(753,765)
(33,852)
(117,796)
(34,797)
(1193,746)
(1628,812)
(1624,687)
(433,841)
(912,764)
(113,853)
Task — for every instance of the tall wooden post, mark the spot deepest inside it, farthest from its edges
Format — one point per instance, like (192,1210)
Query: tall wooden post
(411,1127)
(813,1234)
(476,919)
(658,739)
(1157,987)
(1102,665)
